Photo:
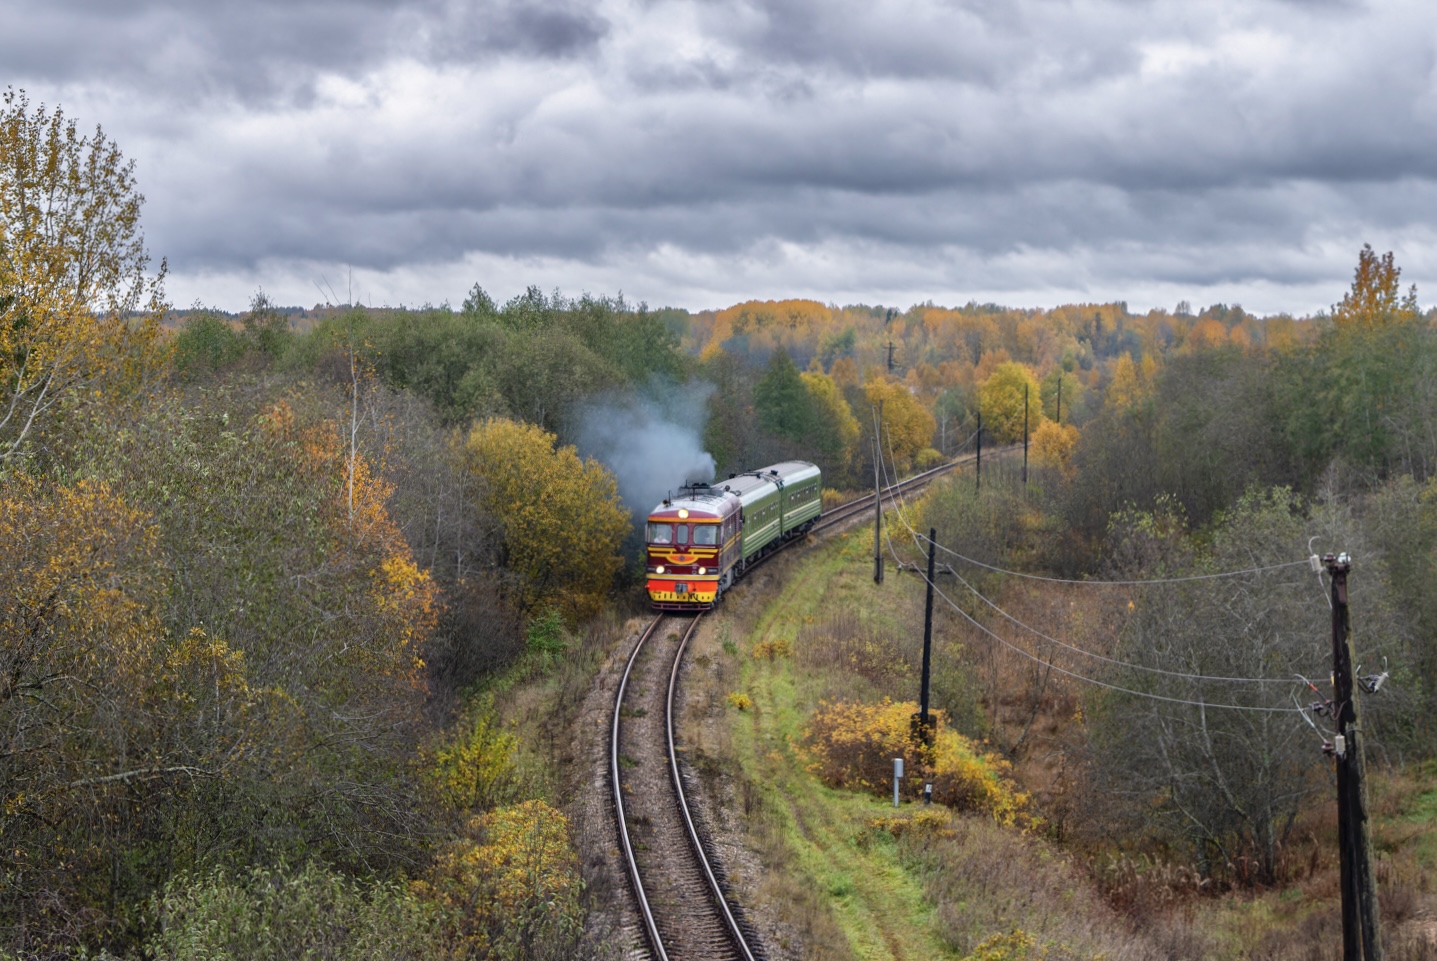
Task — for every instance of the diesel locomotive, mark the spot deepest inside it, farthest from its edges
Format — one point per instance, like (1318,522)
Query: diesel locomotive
(700,540)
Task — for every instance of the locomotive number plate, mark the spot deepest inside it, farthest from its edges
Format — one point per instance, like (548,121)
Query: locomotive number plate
(678,597)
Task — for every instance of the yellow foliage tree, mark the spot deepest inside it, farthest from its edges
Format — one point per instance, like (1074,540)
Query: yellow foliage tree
(98,705)
(1375,299)
(838,428)
(907,426)
(1001,398)
(1207,334)
(78,313)
(245,642)
(560,516)
(1053,446)
(77,623)
(1125,388)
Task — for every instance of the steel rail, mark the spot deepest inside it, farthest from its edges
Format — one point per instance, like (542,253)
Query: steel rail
(695,841)
(650,925)
(846,510)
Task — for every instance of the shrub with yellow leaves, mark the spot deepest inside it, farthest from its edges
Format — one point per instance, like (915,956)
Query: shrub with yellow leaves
(773,649)
(739,700)
(852,745)
(476,771)
(965,778)
(510,887)
(1054,445)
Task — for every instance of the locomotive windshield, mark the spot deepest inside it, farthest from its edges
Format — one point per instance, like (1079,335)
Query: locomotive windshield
(706,534)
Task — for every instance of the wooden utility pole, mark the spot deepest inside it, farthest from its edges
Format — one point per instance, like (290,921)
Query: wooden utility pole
(1360,935)
(979,470)
(924,721)
(877,501)
(1025,433)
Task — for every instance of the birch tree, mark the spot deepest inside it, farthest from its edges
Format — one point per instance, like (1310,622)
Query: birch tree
(79,309)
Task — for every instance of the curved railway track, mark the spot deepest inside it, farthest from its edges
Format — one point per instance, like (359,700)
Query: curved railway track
(678,889)
(858,505)
(684,910)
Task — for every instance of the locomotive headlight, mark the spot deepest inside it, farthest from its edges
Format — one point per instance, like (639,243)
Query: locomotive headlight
(683,513)
(659,569)
(703,570)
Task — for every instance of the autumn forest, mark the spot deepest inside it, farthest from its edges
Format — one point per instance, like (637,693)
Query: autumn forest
(272,583)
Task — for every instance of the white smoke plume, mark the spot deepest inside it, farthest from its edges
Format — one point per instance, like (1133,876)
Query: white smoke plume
(652,444)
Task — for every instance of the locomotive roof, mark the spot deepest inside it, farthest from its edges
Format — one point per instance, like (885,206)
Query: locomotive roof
(698,499)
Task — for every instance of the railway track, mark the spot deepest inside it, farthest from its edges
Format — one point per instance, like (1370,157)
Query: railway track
(685,912)
(858,505)
(683,907)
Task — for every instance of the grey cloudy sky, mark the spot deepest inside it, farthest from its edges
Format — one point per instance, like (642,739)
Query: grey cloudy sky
(700,152)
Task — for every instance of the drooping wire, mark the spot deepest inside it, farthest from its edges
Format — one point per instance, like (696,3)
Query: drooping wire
(896,499)
(895,494)
(1109,660)
(1094,681)
(1063,580)
(890,483)
(1093,582)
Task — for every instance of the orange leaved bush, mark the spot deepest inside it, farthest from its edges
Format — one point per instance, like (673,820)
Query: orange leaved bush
(359,552)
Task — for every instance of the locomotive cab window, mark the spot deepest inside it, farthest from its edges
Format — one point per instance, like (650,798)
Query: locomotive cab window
(706,534)
(661,533)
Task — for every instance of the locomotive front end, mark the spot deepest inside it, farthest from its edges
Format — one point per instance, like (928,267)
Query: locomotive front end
(689,545)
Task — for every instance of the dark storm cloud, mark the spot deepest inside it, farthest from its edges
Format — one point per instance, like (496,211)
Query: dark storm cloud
(932,146)
(258,50)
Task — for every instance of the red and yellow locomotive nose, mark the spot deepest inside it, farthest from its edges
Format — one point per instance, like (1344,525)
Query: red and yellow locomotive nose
(683,556)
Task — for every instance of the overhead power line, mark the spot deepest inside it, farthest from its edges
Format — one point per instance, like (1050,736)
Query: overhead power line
(1104,684)
(1095,582)
(898,505)
(1110,660)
